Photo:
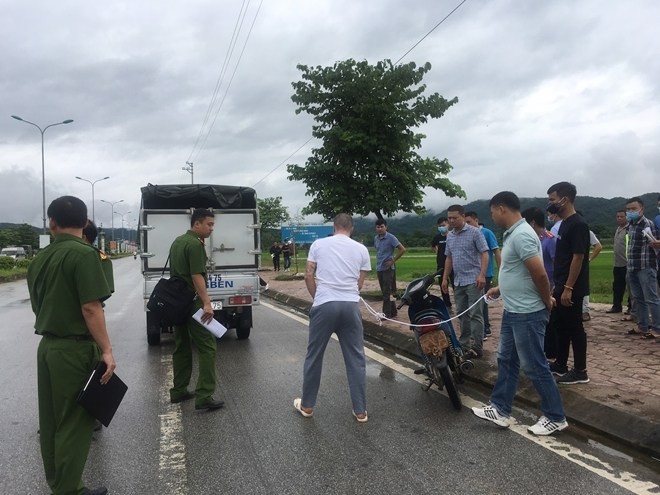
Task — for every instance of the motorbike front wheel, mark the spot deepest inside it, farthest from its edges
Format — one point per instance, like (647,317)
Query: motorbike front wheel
(450,385)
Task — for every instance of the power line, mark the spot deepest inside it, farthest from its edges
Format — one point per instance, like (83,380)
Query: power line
(221,75)
(401,58)
(282,162)
(230,80)
(434,28)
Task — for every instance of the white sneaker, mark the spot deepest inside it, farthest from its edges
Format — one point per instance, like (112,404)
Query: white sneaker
(489,413)
(546,427)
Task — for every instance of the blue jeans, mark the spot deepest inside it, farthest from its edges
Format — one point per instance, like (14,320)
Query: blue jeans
(521,346)
(344,319)
(644,289)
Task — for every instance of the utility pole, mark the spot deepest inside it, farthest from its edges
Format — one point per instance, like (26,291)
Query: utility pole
(190,170)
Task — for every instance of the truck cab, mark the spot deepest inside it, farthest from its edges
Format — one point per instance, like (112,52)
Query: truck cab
(233,250)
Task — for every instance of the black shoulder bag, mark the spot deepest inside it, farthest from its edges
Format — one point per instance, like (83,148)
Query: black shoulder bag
(171,299)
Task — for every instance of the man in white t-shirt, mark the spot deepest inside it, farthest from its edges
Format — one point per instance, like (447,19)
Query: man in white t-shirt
(336,269)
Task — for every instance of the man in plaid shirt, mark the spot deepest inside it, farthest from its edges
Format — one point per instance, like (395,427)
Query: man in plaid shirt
(467,256)
(642,269)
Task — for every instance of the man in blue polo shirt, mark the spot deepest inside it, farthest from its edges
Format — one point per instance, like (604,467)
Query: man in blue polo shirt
(385,244)
(467,257)
(525,289)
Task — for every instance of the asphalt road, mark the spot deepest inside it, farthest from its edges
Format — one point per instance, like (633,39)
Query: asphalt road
(414,442)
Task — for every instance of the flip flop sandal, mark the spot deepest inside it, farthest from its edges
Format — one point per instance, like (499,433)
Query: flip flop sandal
(634,331)
(648,336)
(628,318)
(297,403)
(361,420)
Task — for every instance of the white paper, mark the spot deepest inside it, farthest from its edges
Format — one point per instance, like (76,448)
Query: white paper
(213,326)
(647,232)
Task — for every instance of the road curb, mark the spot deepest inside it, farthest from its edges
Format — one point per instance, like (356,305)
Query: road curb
(638,433)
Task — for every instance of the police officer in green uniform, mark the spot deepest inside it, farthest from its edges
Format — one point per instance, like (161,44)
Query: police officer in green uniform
(188,261)
(67,286)
(90,233)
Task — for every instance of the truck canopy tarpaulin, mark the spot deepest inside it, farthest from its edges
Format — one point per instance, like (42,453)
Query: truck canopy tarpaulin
(183,196)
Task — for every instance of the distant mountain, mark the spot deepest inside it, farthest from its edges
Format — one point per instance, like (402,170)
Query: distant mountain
(4,225)
(418,230)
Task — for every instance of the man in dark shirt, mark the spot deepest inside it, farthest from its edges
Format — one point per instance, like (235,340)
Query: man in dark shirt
(571,279)
(275,252)
(438,244)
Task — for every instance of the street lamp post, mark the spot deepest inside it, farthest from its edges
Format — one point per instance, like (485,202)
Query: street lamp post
(190,169)
(93,183)
(43,168)
(123,234)
(112,221)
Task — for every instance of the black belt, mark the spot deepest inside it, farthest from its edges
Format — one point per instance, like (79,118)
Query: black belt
(77,338)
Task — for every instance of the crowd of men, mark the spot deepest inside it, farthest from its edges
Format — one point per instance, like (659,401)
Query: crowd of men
(568,246)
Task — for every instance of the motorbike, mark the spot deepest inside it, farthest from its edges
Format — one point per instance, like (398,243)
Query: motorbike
(444,361)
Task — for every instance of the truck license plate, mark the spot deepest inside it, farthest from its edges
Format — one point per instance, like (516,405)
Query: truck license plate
(216,305)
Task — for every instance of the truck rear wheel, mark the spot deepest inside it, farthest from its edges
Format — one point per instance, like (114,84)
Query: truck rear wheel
(244,324)
(153,329)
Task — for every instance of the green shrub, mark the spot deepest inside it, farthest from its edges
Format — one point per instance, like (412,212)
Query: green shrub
(7,263)
(24,263)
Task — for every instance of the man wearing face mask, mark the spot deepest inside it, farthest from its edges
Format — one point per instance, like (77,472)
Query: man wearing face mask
(571,284)
(438,244)
(642,269)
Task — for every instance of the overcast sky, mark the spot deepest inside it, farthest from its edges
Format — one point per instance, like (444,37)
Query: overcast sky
(548,91)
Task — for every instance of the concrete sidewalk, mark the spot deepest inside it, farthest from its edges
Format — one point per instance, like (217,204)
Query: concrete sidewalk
(621,402)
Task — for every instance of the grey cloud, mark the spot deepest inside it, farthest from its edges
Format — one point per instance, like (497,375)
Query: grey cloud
(137,78)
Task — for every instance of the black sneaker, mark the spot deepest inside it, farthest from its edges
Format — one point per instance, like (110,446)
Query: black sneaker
(210,405)
(487,333)
(557,370)
(614,310)
(573,377)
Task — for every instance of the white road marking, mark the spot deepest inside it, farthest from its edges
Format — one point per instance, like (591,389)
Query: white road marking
(172,472)
(587,461)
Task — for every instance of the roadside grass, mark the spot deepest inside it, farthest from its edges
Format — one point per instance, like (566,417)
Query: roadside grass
(20,273)
(13,274)
(417,262)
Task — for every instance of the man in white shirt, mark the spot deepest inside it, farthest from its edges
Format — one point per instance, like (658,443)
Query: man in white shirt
(335,272)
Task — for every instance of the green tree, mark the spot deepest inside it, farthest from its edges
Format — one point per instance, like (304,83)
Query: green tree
(272,213)
(8,237)
(365,116)
(27,235)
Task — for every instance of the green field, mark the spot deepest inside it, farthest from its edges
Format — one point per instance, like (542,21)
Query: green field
(419,261)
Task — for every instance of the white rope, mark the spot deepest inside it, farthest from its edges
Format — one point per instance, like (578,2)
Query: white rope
(381,316)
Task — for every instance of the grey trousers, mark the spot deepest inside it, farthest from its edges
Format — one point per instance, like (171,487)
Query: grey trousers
(472,322)
(344,319)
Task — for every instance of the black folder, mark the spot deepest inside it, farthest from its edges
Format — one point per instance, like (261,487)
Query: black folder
(102,401)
